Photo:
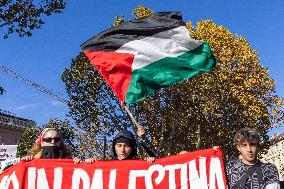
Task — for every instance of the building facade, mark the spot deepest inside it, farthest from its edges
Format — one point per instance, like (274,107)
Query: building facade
(275,154)
(11,128)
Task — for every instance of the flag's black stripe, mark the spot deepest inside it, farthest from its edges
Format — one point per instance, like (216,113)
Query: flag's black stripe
(113,38)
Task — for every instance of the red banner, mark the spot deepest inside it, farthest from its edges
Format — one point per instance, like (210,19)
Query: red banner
(202,169)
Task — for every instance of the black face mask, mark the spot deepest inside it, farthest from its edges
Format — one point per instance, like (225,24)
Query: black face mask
(50,152)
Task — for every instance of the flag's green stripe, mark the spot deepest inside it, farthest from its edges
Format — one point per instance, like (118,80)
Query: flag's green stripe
(169,71)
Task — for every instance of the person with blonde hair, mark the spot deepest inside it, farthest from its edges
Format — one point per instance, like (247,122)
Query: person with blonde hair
(49,145)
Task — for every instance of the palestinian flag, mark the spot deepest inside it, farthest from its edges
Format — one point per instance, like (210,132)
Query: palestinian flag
(140,56)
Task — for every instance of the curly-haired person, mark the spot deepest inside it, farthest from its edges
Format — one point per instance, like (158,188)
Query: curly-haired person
(249,172)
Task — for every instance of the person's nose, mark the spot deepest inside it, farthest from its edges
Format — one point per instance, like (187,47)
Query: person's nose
(52,141)
(123,149)
(249,148)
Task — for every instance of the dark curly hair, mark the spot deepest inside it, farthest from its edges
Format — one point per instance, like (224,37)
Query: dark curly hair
(248,134)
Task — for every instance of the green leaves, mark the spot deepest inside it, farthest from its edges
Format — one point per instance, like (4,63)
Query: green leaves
(24,16)
(27,139)
(95,109)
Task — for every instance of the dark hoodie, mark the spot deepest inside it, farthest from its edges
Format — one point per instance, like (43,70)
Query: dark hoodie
(125,134)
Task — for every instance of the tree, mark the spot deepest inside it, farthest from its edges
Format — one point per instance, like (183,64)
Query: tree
(24,16)
(27,139)
(29,136)
(95,109)
(197,113)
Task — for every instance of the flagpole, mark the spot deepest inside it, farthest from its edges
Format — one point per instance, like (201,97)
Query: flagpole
(132,117)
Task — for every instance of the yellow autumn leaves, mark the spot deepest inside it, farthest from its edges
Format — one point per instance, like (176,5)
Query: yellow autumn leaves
(237,93)
(197,113)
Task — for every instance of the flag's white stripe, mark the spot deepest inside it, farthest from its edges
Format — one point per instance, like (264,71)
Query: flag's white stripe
(170,43)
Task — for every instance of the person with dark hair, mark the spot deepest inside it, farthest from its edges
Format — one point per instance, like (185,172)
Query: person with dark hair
(49,145)
(249,172)
(124,147)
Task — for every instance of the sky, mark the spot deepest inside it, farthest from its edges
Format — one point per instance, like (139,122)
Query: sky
(43,57)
